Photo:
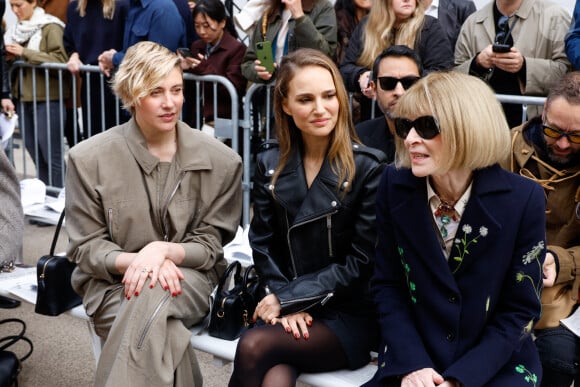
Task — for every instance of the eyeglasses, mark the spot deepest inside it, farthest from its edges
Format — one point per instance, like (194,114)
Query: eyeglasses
(389,83)
(426,126)
(556,133)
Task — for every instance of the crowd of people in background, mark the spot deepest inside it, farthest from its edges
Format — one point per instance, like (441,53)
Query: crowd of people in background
(467,263)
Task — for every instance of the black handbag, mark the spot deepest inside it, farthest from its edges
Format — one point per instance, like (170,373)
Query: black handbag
(53,274)
(233,303)
(10,363)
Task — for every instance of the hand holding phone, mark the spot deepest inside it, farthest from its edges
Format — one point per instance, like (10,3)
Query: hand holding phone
(185,52)
(264,55)
(498,47)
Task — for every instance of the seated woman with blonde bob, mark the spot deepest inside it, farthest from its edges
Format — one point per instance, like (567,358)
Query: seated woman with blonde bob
(461,243)
(149,205)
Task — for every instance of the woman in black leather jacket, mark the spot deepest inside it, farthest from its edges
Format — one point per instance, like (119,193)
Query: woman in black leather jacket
(312,234)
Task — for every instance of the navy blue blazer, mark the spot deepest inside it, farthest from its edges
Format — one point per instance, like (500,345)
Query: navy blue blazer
(470,318)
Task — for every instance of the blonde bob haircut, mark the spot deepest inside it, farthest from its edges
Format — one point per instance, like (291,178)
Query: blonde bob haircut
(474,131)
(340,154)
(144,67)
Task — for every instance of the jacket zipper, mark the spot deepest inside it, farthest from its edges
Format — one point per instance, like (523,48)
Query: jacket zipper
(316,300)
(164,301)
(300,224)
(329,230)
(110,216)
(164,218)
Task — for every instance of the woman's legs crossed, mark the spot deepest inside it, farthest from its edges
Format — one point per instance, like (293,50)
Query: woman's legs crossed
(267,355)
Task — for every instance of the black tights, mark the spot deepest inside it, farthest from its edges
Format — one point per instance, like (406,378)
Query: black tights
(268,356)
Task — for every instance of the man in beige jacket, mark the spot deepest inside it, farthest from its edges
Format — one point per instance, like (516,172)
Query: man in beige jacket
(531,34)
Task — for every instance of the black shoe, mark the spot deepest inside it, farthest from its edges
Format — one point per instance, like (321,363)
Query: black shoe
(8,303)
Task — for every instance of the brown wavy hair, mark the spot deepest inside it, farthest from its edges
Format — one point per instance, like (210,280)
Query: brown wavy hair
(339,154)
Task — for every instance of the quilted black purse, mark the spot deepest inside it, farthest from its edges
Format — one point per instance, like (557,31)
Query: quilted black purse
(53,273)
(234,302)
(10,363)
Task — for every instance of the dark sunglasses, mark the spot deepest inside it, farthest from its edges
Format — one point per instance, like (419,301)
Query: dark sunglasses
(503,29)
(556,133)
(426,126)
(389,83)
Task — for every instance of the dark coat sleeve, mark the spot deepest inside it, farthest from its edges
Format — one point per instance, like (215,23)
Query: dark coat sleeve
(433,47)
(348,68)
(573,39)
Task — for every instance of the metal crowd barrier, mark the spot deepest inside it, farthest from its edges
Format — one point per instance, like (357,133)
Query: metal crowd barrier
(256,124)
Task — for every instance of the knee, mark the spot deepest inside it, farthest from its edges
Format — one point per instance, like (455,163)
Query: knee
(250,346)
(558,348)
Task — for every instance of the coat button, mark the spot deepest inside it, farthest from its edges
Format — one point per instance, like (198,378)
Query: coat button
(452,299)
(270,171)
(450,336)
(271,187)
(333,203)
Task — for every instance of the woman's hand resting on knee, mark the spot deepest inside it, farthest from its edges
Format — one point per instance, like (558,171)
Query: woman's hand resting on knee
(156,261)
(296,323)
(269,310)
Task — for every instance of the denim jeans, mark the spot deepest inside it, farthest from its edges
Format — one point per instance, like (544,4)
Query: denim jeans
(45,145)
(560,356)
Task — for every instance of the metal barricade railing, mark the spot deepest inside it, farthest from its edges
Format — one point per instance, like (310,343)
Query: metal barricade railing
(29,118)
(256,124)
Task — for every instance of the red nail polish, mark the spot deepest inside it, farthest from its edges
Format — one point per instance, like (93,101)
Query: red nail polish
(306,336)
(136,294)
(128,298)
(296,336)
(309,323)
(288,329)
(179,293)
(166,287)
(150,286)
(173,294)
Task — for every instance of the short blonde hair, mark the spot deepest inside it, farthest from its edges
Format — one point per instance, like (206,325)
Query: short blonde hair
(474,130)
(144,67)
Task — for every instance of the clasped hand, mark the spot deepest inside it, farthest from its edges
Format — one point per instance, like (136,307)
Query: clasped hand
(151,262)
(426,377)
(269,310)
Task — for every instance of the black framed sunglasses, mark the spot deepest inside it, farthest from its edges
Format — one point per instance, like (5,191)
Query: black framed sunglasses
(426,126)
(389,83)
(557,133)
(503,29)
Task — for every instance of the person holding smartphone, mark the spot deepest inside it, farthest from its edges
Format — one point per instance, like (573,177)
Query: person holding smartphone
(517,47)
(217,52)
(286,26)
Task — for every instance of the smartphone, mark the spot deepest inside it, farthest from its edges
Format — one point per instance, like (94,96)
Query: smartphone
(185,52)
(498,47)
(264,54)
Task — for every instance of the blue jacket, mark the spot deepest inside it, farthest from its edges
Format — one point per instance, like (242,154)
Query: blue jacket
(154,20)
(469,318)
(573,39)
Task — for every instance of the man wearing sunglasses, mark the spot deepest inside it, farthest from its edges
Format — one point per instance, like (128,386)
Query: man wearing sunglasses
(517,46)
(395,70)
(546,149)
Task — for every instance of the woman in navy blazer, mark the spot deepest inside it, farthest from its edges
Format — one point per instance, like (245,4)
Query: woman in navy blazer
(460,245)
